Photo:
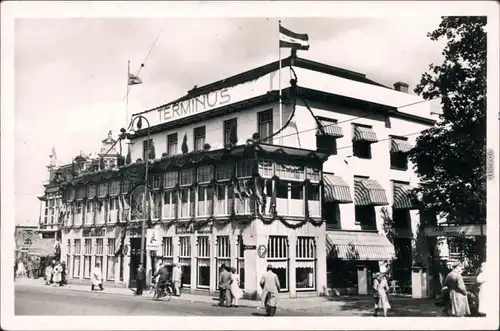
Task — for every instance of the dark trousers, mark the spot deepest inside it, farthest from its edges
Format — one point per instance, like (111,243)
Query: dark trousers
(140,286)
(100,287)
(225,297)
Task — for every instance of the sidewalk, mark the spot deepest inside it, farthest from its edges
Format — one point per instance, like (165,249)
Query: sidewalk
(344,305)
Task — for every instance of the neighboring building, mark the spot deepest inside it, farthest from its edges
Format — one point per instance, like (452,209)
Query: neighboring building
(24,237)
(201,155)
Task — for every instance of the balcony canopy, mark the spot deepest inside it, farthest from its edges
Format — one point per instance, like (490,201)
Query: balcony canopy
(400,145)
(368,192)
(363,133)
(336,189)
(403,198)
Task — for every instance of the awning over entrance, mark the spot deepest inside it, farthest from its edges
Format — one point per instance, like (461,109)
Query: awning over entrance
(42,247)
(362,133)
(368,192)
(362,246)
(336,189)
(400,145)
(402,197)
(331,129)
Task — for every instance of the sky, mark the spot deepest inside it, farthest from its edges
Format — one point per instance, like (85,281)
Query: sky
(70,74)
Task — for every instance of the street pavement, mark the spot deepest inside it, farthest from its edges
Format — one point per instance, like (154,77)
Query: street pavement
(33,298)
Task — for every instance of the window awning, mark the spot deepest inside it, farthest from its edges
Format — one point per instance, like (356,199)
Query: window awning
(402,197)
(362,133)
(368,192)
(331,129)
(336,189)
(42,247)
(361,246)
(400,145)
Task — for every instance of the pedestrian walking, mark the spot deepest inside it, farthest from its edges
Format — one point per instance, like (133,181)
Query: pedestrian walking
(21,270)
(224,287)
(483,289)
(459,305)
(97,276)
(29,269)
(177,278)
(380,294)
(63,273)
(57,278)
(48,273)
(270,288)
(236,291)
(141,275)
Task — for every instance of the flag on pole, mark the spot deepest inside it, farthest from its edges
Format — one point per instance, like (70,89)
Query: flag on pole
(133,79)
(289,39)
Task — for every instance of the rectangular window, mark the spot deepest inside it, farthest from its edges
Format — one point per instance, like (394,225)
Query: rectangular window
(241,261)
(305,269)
(225,171)
(277,256)
(265,119)
(244,168)
(362,149)
(172,144)
(99,252)
(288,171)
(365,217)
(91,190)
(147,147)
(87,258)
(223,255)
(399,161)
(111,259)
(114,187)
(170,179)
(71,193)
(331,212)
(199,138)
(205,174)
(168,247)
(203,262)
(185,259)
(76,258)
(187,177)
(80,193)
(266,169)
(314,175)
(102,190)
(229,126)
(157,179)
(125,186)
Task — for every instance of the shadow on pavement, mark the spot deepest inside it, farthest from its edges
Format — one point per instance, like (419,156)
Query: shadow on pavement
(399,306)
(259,314)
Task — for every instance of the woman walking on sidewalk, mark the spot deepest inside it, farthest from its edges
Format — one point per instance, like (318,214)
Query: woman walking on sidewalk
(380,289)
(236,291)
(97,276)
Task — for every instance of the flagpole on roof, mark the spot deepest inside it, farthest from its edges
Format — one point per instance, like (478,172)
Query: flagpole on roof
(128,89)
(279,83)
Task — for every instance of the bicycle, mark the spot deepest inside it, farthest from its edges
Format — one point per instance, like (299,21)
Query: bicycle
(163,290)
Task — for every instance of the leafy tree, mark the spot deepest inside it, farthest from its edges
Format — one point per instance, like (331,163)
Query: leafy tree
(450,157)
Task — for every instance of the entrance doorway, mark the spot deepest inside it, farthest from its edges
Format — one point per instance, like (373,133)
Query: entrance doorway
(135,259)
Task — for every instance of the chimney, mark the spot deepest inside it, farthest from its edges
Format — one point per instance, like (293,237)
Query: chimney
(401,87)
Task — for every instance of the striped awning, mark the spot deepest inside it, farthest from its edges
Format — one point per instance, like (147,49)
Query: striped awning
(336,189)
(402,197)
(42,247)
(400,145)
(362,246)
(362,133)
(368,192)
(331,129)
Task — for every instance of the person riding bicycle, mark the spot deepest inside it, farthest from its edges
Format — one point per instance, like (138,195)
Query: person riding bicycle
(164,278)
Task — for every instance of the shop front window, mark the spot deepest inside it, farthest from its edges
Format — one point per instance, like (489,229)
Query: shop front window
(305,267)
(277,250)
(223,255)
(87,258)
(111,259)
(76,258)
(203,262)
(185,259)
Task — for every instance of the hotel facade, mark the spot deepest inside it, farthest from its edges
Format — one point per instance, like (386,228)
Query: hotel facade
(324,201)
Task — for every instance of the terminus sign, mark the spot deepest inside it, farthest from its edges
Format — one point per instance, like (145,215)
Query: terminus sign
(456,231)
(194,106)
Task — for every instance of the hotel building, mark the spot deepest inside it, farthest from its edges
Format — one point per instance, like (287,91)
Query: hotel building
(321,200)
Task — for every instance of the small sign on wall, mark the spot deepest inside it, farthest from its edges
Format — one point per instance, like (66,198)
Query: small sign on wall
(262,251)
(152,240)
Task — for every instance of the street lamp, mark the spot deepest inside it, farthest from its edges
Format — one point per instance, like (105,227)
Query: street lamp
(145,201)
